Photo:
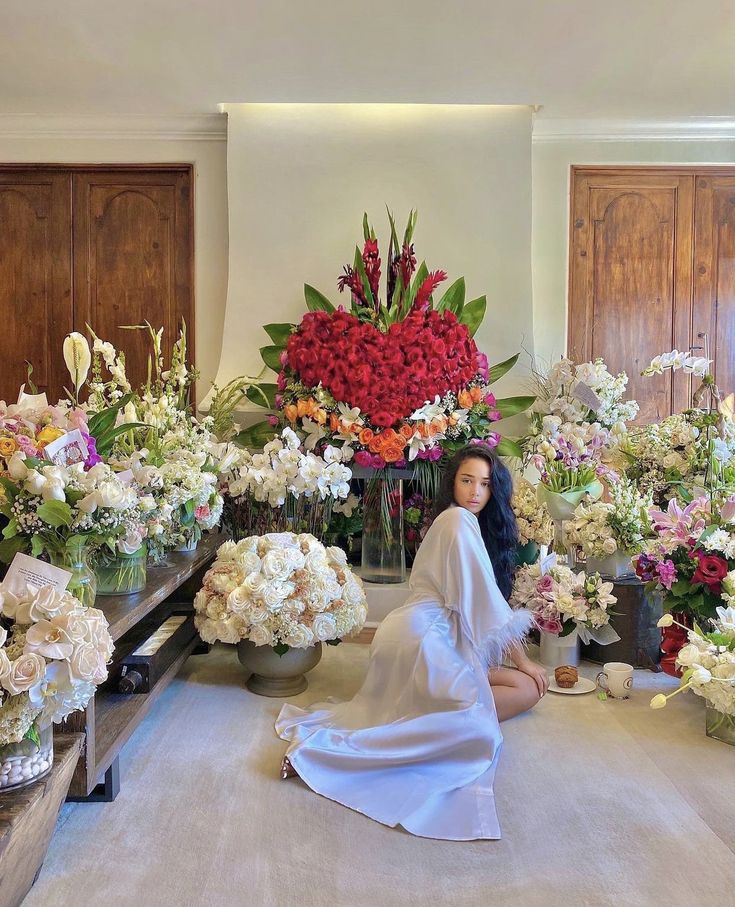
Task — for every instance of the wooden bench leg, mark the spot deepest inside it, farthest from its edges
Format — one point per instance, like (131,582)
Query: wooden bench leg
(107,790)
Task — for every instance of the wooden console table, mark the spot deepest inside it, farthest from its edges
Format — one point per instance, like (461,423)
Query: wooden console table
(111,717)
(27,821)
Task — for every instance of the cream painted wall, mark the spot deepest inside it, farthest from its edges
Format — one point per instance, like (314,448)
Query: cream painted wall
(209,157)
(300,177)
(551,165)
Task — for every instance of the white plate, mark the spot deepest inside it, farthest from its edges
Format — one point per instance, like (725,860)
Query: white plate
(583,685)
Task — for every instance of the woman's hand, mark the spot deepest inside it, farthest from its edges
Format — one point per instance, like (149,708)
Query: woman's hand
(536,672)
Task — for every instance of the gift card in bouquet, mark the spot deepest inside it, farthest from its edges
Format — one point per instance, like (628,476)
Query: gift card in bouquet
(584,393)
(67,450)
(27,571)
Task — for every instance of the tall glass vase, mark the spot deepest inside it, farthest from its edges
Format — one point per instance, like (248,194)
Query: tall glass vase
(121,574)
(720,726)
(75,557)
(383,552)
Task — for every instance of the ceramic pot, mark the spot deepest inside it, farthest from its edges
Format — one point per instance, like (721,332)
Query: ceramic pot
(277,675)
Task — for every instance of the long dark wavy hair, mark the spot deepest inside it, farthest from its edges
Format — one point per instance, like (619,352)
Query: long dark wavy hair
(497,519)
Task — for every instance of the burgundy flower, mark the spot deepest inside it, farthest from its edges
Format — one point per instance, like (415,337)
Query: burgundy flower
(711,571)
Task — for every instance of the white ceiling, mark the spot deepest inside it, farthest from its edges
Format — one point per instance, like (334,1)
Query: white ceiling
(638,59)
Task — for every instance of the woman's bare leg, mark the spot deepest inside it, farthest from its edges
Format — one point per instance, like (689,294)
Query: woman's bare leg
(513,691)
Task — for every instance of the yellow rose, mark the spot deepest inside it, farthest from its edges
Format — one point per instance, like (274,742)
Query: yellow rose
(8,447)
(47,435)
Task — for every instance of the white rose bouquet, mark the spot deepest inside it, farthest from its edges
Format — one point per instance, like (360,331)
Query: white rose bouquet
(281,590)
(53,654)
(532,516)
(61,510)
(562,601)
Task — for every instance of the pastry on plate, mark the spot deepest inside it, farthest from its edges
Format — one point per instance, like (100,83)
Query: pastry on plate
(566,676)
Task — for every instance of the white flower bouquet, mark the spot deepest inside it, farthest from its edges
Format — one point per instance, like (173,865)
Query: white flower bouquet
(281,590)
(285,488)
(708,661)
(584,393)
(562,601)
(532,516)
(53,654)
(603,529)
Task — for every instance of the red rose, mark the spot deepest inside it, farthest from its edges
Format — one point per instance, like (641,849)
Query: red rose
(711,571)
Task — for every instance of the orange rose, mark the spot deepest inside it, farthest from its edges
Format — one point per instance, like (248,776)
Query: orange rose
(391,453)
(423,430)
(291,412)
(333,422)
(439,424)
(366,436)
(390,436)
(407,431)
(476,394)
(465,399)
(8,447)
(376,443)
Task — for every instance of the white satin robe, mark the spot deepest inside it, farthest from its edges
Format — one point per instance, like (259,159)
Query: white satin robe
(419,743)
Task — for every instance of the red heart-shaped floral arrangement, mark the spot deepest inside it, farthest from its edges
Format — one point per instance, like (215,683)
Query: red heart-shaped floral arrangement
(387,375)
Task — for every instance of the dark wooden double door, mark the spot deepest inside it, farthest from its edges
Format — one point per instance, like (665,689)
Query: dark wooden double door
(98,246)
(652,268)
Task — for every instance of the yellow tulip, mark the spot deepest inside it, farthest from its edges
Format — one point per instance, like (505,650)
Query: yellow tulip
(658,701)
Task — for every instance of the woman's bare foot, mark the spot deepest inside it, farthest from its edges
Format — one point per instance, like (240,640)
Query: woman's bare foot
(287,770)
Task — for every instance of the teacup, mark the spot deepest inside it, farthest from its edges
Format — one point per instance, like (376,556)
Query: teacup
(616,679)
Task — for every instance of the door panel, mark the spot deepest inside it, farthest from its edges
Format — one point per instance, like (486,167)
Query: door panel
(714,274)
(630,278)
(35,279)
(136,230)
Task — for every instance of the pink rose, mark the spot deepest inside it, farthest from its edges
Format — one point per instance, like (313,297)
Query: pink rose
(545,585)
(548,625)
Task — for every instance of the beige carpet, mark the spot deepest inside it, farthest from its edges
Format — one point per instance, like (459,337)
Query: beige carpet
(600,803)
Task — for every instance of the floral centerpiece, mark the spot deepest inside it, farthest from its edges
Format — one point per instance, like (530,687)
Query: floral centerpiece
(168,449)
(563,601)
(578,416)
(567,607)
(53,655)
(281,591)
(618,528)
(708,663)
(686,453)
(65,511)
(691,560)
(535,527)
(395,379)
(285,488)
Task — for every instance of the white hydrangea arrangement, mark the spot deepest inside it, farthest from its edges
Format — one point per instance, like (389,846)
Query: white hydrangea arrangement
(602,529)
(52,658)
(282,590)
(562,601)
(708,661)
(532,516)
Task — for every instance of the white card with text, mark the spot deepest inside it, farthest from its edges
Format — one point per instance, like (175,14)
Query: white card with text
(30,571)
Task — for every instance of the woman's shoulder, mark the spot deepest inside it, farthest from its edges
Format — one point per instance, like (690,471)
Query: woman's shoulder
(454,518)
